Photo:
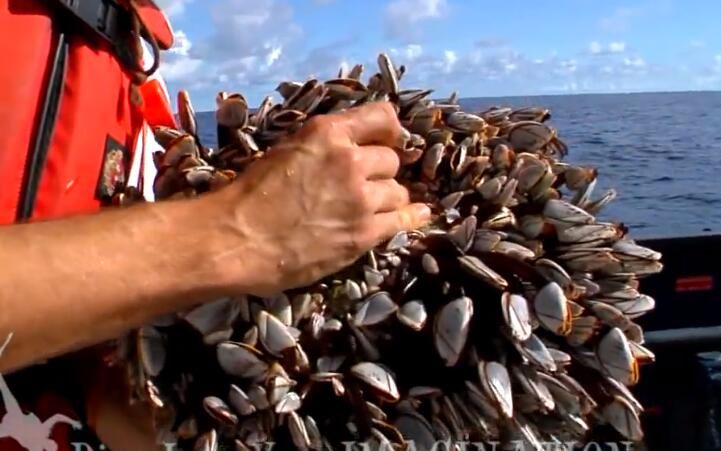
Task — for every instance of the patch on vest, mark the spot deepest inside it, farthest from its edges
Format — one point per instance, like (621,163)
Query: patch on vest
(113,172)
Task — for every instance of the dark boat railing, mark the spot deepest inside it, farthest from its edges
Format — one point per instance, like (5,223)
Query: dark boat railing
(687,293)
(682,389)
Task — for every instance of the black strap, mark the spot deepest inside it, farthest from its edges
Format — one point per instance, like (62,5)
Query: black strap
(105,18)
(120,27)
(44,131)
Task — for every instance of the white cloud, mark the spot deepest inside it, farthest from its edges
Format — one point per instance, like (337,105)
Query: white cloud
(273,55)
(617,47)
(569,66)
(251,18)
(413,51)
(181,70)
(416,10)
(402,17)
(697,43)
(177,64)
(597,48)
(251,43)
(247,27)
(325,61)
(634,62)
(173,7)
(506,71)
(450,57)
(181,44)
(409,53)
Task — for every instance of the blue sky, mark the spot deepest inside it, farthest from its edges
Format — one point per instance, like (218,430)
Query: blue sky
(477,47)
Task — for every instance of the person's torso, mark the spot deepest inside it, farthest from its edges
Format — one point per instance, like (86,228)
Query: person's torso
(68,130)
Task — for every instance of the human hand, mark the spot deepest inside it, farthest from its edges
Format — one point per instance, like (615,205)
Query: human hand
(317,201)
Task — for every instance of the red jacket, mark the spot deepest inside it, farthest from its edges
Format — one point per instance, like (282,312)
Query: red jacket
(69,122)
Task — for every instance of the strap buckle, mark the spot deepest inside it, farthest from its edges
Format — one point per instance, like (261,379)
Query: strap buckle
(105,18)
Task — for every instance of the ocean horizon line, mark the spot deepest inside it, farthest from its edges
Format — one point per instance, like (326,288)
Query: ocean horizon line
(570,94)
(595,93)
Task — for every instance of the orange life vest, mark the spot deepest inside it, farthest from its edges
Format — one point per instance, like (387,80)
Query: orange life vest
(69,122)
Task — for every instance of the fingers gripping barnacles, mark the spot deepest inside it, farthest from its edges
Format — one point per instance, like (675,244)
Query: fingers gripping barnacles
(473,325)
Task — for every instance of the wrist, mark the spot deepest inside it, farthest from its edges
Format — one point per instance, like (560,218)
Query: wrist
(237,257)
(197,240)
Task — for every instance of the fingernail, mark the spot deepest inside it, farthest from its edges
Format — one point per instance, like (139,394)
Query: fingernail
(410,156)
(403,138)
(424,212)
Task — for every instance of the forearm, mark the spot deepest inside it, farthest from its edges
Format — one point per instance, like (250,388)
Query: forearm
(75,282)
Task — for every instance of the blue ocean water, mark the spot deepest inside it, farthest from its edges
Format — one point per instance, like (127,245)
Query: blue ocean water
(660,151)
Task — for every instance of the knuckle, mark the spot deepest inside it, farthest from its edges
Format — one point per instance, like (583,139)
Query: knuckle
(367,204)
(396,161)
(393,159)
(317,125)
(345,161)
(389,109)
(361,198)
(402,194)
(395,193)
(316,122)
